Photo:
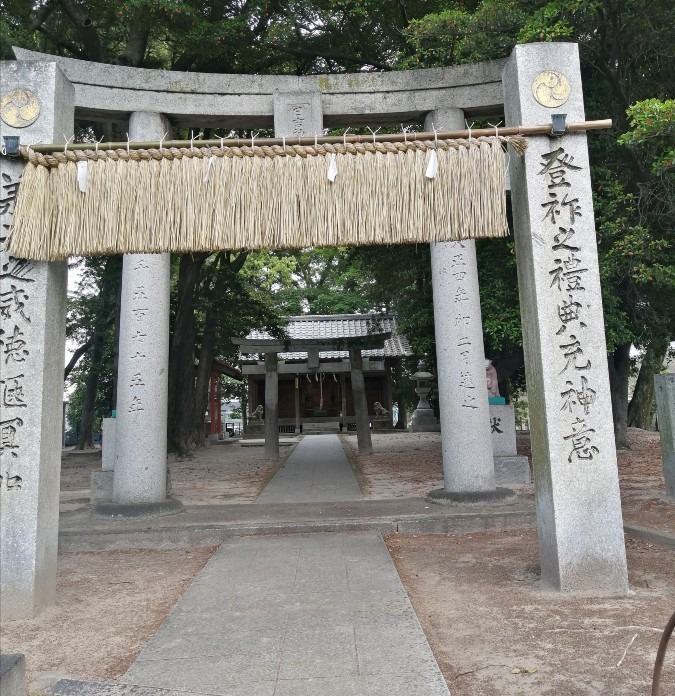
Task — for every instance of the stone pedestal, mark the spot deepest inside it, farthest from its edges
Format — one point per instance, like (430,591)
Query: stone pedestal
(108,444)
(140,471)
(100,486)
(383,425)
(664,386)
(424,421)
(254,430)
(32,346)
(503,430)
(510,469)
(101,482)
(574,457)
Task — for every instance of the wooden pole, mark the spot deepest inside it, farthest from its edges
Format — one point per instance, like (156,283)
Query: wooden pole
(297,405)
(544,129)
(271,406)
(343,404)
(212,388)
(360,402)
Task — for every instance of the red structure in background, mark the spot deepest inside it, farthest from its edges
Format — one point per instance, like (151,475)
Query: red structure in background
(214,407)
(216,394)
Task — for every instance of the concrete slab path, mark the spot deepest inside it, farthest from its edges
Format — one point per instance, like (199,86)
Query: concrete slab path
(316,472)
(321,614)
(301,615)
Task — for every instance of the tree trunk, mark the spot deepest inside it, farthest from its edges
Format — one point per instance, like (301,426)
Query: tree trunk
(640,406)
(619,373)
(89,405)
(201,398)
(86,30)
(181,355)
(85,440)
(134,51)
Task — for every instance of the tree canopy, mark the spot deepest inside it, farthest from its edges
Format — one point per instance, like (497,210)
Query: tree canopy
(628,73)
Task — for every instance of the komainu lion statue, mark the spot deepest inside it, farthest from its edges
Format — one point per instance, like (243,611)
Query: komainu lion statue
(257,415)
(380,410)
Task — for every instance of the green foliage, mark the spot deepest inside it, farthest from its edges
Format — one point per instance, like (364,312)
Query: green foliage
(88,314)
(500,307)
(466,32)
(652,133)
(629,76)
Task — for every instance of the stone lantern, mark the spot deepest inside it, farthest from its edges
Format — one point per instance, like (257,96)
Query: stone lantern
(423,420)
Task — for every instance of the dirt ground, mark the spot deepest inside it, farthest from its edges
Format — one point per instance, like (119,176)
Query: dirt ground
(409,464)
(109,604)
(218,475)
(495,632)
(477,596)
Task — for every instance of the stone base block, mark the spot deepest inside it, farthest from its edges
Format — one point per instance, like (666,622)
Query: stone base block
(12,675)
(414,428)
(382,426)
(108,443)
(424,421)
(443,497)
(170,506)
(101,484)
(503,430)
(254,429)
(512,471)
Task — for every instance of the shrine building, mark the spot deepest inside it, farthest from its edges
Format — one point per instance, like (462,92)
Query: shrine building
(314,368)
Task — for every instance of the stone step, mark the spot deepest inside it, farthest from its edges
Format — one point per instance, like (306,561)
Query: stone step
(75,687)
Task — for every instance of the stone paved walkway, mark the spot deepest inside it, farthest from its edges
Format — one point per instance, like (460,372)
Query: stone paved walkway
(296,615)
(316,472)
(305,615)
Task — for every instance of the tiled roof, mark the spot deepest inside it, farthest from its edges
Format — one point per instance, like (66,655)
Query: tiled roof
(341,326)
(334,326)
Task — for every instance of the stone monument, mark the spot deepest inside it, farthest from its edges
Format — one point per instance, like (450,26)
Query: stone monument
(574,457)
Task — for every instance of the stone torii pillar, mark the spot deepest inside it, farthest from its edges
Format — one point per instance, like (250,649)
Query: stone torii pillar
(468,462)
(140,474)
(38,106)
(575,472)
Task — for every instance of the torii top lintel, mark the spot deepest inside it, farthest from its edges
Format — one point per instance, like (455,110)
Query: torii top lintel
(112,92)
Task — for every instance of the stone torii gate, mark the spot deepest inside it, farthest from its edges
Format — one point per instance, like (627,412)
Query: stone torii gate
(577,493)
